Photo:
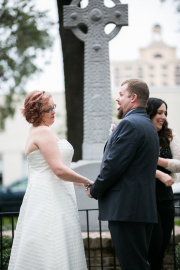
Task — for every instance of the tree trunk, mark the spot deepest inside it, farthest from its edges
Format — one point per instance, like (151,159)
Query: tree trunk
(73,58)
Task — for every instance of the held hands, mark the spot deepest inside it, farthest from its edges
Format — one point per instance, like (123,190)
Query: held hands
(88,187)
(166,179)
(88,193)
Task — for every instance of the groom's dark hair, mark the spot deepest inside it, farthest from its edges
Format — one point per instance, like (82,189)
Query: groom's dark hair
(139,88)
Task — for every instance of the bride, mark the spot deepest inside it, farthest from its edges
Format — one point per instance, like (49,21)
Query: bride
(48,233)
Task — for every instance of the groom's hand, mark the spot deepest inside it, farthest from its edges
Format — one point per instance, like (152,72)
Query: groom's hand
(87,189)
(88,193)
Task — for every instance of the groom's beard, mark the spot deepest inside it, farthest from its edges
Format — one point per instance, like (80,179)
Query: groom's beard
(120,114)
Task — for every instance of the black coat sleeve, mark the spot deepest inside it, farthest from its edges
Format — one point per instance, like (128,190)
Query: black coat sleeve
(120,155)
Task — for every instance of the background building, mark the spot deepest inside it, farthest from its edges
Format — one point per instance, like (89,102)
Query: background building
(158,65)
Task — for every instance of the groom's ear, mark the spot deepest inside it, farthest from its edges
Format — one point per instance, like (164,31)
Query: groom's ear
(134,98)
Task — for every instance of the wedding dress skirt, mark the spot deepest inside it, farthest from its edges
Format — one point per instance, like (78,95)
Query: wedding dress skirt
(48,234)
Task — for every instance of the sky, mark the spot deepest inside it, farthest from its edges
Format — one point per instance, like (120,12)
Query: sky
(143,15)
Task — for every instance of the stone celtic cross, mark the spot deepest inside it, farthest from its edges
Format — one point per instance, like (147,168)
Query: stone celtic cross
(97,93)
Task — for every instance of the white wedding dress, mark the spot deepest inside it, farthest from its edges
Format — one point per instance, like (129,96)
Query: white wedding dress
(48,234)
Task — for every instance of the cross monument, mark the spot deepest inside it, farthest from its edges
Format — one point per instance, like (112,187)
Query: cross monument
(97,92)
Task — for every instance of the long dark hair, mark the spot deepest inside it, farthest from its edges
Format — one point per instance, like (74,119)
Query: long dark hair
(165,134)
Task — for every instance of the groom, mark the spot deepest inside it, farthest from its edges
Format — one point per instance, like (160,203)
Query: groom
(125,188)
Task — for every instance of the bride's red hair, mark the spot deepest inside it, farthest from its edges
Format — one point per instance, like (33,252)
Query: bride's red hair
(33,106)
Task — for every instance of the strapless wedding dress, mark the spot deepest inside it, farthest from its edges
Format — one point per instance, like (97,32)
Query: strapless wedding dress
(48,234)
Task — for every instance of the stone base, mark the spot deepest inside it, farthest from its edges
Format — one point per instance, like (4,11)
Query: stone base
(108,255)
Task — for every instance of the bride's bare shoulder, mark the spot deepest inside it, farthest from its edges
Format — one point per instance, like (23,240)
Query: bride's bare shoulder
(41,131)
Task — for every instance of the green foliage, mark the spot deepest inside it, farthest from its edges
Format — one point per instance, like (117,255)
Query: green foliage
(24,34)
(6,252)
(6,258)
(177,251)
(7,242)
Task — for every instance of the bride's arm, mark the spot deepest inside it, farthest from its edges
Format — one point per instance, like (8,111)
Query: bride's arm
(47,143)
(78,184)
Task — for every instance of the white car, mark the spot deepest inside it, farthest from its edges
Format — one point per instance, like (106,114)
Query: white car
(176,191)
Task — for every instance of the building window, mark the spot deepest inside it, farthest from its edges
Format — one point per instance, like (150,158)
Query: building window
(152,84)
(1,170)
(164,67)
(177,67)
(128,68)
(140,73)
(25,166)
(151,67)
(164,75)
(164,83)
(158,56)
(177,79)
(151,75)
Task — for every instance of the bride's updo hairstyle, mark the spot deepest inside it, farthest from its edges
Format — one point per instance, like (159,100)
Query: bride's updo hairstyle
(33,106)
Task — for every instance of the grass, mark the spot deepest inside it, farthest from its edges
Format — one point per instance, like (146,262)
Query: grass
(7,223)
(177,222)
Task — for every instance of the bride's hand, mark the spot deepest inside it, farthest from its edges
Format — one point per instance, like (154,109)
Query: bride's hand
(88,185)
(87,188)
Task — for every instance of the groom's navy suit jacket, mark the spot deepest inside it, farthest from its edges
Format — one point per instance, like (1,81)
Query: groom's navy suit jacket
(125,188)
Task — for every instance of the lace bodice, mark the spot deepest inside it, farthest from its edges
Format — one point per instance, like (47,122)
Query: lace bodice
(174,163)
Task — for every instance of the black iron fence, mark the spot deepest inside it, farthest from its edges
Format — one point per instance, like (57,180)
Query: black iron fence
(13,215)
